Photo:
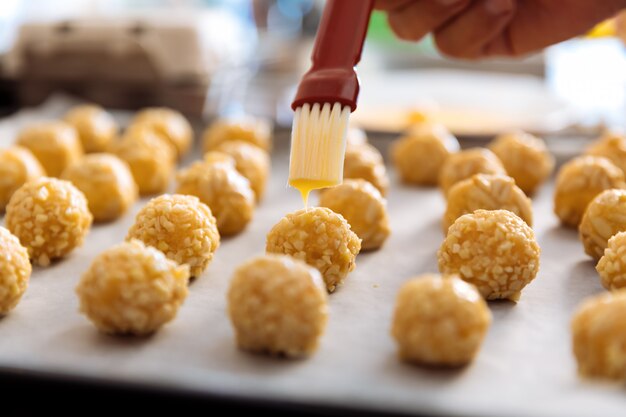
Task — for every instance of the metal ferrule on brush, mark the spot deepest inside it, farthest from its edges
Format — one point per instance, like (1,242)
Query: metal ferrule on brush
(326,95)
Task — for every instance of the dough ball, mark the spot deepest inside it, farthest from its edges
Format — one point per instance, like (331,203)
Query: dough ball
(419,155)
(17,167)
(493,249)
(151,159)
(525,158)
(599,336)
(612,146)
(54,144)
(612,265)
(107,183)
(488,192)
(50,217)
(277,304)
(361,204)
(223,189)
(254,130)
(95,126)
(15,270)
(321,238)
(464,164)
(366,162)
(439,321)
(169,124)
(579,181)
(181,227)
(132,289)
(605,216)
(251,161)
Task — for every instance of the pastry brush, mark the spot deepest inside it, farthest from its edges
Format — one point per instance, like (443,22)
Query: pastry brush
(326,96)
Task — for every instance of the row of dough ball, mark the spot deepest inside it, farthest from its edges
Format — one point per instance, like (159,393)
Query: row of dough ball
(428,154)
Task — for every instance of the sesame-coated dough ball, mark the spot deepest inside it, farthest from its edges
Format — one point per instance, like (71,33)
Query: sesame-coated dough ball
(251,161)
(15,270)
(54,144)
(254,130)
(488,192)
(361,204)
(223,189)
(611,146)
(612,265)
(493,249)
(181,227)
(277,304)
(321,238)
(579,181)
(107,183)
(50,217)
(525,158)
(439,321)
(151,159)
(169,124)
(17,166)
(599,336)
(464,164)
(605,216)
(95,126)
(366,162)
(132,289)
(419,155)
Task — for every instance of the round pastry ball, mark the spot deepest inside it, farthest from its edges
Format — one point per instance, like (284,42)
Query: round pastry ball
(488,192)
(605,216)
(54,144)
(151,159)
(107,183)
(223,189)
(251,161)
(355,136)
(579,181)
(439,321)
(50,217)
(181,227)
(525,158)
(95,126)
(361,204)
(612,146)
(464,164)
(612,265)
(254,130)
(277,304)
(17,166)
(493,249)
(419,155)
(132,289)
(599,336)
(321,238)
(15,270)
(170,124)
(366,162)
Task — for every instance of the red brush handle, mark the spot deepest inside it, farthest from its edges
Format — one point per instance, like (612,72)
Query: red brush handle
(336,52)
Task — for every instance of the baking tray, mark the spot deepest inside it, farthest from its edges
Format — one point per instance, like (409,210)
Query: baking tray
(525,367)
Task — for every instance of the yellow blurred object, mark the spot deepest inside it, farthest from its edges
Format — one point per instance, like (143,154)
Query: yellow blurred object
(605,29)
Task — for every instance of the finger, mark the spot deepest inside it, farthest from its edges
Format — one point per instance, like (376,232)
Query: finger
(388,5)
(423,16)
(467,35)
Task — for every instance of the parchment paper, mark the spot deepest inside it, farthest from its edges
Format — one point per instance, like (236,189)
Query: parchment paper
(525,367)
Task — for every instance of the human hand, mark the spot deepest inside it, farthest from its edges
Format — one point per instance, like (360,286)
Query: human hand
(474,29)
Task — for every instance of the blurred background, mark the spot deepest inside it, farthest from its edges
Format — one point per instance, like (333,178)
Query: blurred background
(223,57)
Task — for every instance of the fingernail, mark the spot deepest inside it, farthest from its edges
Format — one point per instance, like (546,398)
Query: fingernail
(499,6)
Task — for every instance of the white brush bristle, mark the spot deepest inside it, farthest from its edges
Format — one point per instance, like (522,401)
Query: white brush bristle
(318,145)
